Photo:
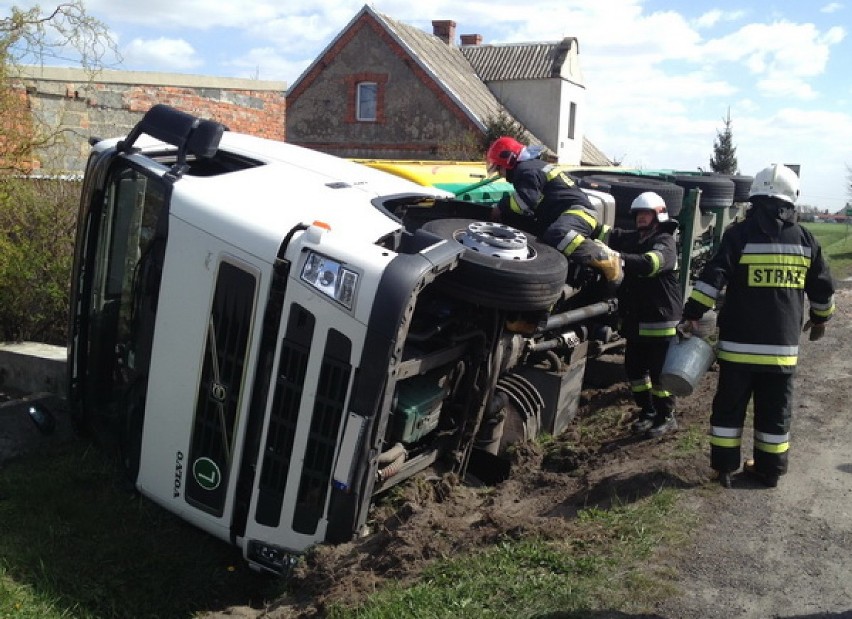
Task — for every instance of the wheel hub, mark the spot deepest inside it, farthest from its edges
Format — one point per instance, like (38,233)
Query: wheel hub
(495,239)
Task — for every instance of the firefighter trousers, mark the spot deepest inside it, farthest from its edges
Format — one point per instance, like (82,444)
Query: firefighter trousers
(772,395)
(643,364)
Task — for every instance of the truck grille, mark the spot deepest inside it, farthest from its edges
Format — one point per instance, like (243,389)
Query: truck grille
(220,388)
(325,427)
(289,384)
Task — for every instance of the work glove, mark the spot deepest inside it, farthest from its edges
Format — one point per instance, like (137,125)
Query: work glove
(608,262)
(685,328)
(817,330)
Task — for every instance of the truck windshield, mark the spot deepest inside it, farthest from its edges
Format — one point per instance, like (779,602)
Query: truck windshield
(125,249)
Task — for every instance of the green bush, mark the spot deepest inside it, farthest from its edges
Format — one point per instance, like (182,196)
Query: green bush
(37,227)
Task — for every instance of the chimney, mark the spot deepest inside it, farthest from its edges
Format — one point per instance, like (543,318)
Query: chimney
(471,39)
(444,29)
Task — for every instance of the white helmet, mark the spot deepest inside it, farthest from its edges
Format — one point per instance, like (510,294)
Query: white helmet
(650,201)
(776,181)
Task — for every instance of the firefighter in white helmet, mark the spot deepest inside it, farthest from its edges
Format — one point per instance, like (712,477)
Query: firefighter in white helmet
(766,265)
(649,305)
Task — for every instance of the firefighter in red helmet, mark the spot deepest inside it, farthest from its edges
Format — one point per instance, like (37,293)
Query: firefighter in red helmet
(548,203)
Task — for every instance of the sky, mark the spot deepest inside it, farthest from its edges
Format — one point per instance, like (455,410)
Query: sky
(661,76)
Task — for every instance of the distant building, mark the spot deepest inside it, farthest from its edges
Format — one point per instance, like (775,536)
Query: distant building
(387,90)
(108,103)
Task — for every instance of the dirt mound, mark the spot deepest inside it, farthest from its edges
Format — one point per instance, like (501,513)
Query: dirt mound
(598,462)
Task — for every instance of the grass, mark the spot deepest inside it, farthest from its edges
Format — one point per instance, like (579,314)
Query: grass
(75,544)
(691,440)
(836,242)
(602,566)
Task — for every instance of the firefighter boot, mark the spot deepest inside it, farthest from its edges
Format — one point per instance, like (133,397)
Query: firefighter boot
(662,424)
(644,421)
(767,479)
(723,477)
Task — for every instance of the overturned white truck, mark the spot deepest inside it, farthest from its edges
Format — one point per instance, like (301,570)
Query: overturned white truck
(274,336)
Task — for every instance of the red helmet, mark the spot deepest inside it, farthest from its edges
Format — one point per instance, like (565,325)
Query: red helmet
(503,153)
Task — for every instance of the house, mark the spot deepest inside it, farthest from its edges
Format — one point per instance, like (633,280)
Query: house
(383,89)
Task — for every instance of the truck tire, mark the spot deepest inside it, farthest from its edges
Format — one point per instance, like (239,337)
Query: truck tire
(531,283)
(742,187)
(626,187)
(717,191)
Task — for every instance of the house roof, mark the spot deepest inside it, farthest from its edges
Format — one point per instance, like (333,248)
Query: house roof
(457,76)
(448,66)
(522,61)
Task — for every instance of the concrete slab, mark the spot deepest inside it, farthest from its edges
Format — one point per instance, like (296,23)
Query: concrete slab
(32,367)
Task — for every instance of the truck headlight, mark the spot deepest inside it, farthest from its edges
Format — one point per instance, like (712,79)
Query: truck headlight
(331,278)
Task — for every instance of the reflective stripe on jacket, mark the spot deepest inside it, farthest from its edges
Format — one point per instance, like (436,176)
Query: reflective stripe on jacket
(649,298)
(766,269)
(545,192)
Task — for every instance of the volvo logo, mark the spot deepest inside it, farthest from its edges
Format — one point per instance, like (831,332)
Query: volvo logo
(218,392)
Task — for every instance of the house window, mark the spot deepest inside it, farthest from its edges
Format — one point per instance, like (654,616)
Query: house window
(365,97)
(572,120)
(366,104)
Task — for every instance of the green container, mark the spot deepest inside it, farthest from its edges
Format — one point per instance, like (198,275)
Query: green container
(418,407)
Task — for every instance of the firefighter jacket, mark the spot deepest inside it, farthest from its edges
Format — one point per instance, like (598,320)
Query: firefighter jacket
(766,267)
(552,204)
(649,298)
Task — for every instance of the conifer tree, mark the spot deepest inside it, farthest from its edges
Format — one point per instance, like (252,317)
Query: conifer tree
(724,160)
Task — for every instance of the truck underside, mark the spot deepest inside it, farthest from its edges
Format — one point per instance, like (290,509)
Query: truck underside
(495,350)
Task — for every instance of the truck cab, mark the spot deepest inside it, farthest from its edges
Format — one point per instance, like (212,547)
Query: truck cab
(273,337)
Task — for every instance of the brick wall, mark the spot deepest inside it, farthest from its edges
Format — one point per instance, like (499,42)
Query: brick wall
(113,101)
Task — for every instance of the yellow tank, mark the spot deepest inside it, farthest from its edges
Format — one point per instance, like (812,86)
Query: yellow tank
(469,180)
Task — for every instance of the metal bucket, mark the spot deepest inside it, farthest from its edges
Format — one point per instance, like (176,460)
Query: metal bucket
(686,362)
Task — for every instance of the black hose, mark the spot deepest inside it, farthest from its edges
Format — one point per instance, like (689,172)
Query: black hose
(558,321)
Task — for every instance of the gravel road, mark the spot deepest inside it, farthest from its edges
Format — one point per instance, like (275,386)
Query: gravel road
(784,552)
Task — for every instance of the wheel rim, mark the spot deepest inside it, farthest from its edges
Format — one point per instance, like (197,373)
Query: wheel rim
(497,240)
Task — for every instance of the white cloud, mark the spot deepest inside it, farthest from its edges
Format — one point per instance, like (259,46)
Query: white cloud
(779,85)
(782,56)
(799,135)
(300,33)
(177,14)
(834,35)
(266,63)
(711,18)
(161,54)
(832,7)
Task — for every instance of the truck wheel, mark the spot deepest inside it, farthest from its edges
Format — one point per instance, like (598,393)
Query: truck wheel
(742,187)
(717,191)
(502,267)
(626,187)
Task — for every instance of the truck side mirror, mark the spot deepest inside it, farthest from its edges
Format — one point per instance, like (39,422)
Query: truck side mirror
(42,418)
